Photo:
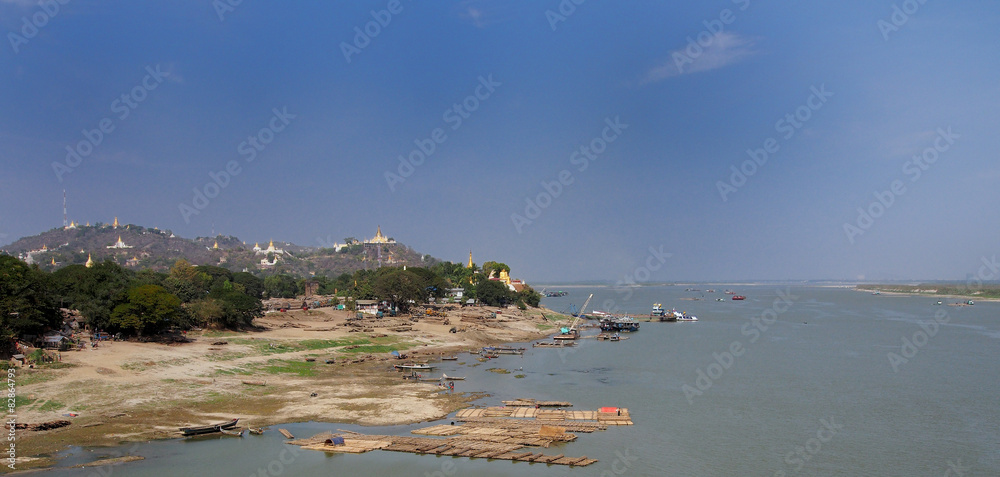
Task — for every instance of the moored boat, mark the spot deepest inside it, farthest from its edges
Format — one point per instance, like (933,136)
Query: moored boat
(624,323)
(198,430)
(414,367)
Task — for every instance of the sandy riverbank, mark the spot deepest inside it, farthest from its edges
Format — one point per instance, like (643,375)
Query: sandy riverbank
(129,391)
(929,293)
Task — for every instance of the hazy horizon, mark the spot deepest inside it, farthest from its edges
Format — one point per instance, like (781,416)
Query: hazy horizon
(645,141)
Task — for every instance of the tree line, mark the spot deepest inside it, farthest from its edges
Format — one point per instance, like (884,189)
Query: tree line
(143,303)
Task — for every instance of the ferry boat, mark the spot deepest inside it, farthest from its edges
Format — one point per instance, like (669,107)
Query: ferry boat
(684,317)
(657,310)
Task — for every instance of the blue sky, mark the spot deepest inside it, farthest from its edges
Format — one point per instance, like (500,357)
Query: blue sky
(690,112)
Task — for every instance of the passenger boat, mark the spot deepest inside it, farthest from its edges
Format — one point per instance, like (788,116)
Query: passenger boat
(683,316)
(657,310)
(198,430)
(739,297)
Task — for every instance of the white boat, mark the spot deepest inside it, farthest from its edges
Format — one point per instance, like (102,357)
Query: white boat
(414,367)
(452,378)
(684,316)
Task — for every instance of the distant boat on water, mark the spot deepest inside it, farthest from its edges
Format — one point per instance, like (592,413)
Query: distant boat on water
(739,297)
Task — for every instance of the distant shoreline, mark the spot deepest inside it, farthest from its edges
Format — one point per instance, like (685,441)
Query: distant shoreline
(929,293)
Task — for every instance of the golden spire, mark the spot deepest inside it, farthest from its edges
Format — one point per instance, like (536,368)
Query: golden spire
(270,244)
(116,223)
(53,260)
(90,262)
(470,265)
(216,246)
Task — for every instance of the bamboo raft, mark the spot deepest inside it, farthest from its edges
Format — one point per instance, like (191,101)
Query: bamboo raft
(460,447)
(534,403)
(620,417)
(492,433)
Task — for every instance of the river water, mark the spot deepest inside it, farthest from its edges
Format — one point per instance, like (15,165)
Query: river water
(791,381)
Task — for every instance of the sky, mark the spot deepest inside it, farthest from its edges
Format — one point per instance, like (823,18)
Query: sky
(642,141)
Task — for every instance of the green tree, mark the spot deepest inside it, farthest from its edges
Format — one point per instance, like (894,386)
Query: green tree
(280,286)
(27,305)
(147,309)
(252,286)
(399,287)
(529,296)
(494,293)
(94,291)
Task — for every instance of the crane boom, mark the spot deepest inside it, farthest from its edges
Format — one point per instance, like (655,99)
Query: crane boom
(579,314)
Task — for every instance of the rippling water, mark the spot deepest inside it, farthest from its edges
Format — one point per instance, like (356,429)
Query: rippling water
(820,386)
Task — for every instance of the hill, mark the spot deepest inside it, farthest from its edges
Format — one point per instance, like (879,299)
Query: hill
(138,247)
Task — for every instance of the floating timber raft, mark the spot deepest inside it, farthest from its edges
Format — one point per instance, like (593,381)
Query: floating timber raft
(492,433)
(355,443)
(534,403)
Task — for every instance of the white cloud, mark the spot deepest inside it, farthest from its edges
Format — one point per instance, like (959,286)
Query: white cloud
(724,49)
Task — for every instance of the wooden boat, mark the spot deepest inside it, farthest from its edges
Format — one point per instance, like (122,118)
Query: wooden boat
(449,358)
(256,430)
(198,430)
(414,367)
(452,378)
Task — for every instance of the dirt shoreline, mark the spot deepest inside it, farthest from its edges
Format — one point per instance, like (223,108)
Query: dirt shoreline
(124,392)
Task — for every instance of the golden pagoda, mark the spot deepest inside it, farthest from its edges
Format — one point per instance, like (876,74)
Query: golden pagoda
(115,225)
(216,246)
(90,262)
(470,265)
(53,261)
